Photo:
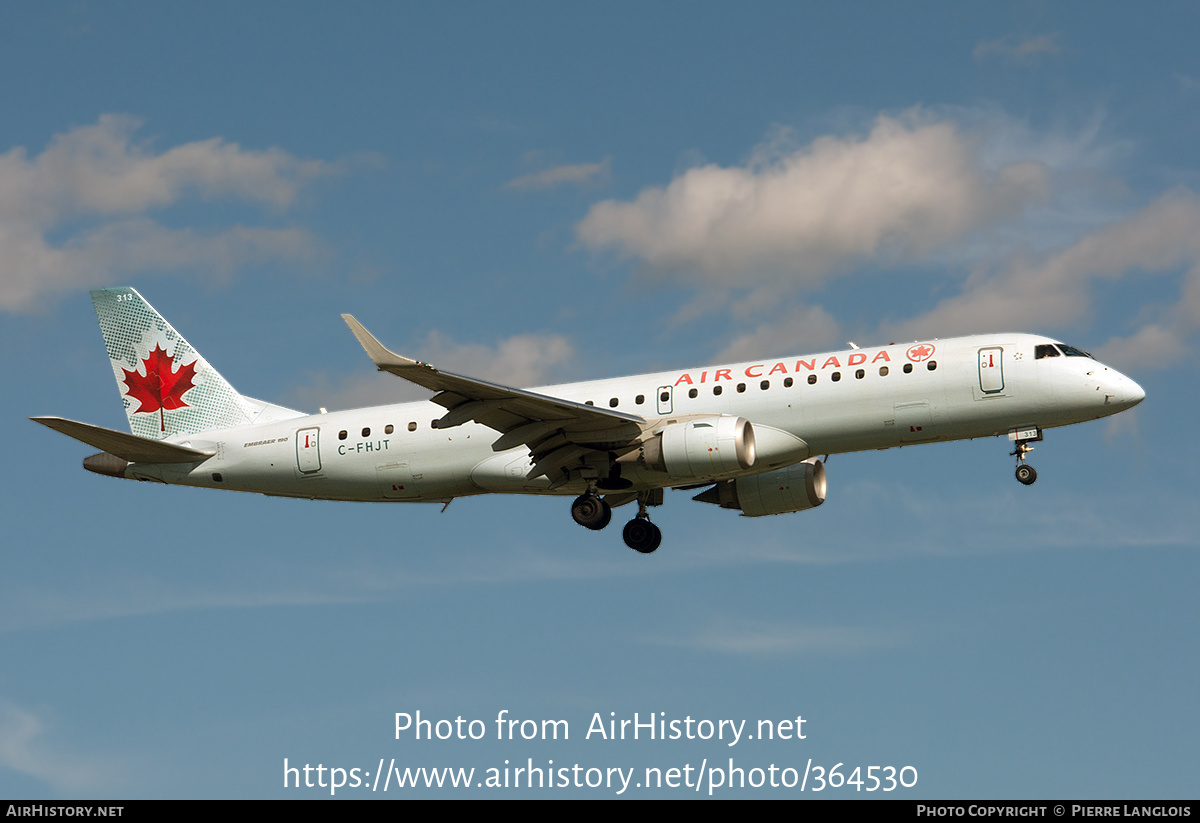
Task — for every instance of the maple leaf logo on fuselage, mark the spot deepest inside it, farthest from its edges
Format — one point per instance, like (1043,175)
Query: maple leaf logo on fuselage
(919,353)
(162,388)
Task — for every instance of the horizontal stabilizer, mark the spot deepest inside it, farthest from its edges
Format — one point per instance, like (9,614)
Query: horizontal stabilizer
(126,446)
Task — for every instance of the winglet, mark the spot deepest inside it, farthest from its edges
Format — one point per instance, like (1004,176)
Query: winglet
(381,356)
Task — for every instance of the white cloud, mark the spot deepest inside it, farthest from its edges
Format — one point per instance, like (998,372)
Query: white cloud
(912,185)
(1018,49)
(521,361)
(803,328)
(768,639)
(1055,290)
(577,175)
(93,186)
(1028,218)
(1153,346)
(356,391)
(24,748)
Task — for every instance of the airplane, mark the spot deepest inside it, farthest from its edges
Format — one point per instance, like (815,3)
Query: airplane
(750,435)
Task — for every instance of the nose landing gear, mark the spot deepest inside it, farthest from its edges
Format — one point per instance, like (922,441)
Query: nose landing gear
(1026,474)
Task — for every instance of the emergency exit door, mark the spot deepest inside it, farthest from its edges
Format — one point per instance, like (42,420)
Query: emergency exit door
(665,396)
(308,455)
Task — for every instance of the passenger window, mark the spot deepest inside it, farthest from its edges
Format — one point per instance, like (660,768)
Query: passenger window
(812,380)
(860,374)
(883,370)
(716,390)
(665,397)
(764,385)
(366,432)
(588,403)
(836,376)
(787,382)
(640,399)
(342,434)
(692,392)
(932,365)
(612,403)
(389,428)
(908,368)
(412,427)
(741,387)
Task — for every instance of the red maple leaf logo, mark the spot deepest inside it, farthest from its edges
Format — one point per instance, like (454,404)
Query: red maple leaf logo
(919,353)
(162,388)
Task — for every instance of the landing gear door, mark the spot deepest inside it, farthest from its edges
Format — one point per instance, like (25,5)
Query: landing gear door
(396,481)
(308,454)
(665,394)
(914,422)
(991,370)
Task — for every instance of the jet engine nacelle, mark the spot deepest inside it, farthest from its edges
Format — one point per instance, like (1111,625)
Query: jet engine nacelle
(790,489)
(703,447)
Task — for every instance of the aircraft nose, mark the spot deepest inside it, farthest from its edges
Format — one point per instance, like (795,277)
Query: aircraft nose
(1136,393)
(1123,392)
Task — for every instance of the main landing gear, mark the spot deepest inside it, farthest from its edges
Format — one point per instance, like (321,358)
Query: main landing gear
(593,512)
(640,534)
(590,511)
(1026,474)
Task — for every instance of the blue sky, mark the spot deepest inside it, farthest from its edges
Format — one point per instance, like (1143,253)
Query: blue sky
(540,192)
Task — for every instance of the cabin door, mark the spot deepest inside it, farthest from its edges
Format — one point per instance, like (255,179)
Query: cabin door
(991,370)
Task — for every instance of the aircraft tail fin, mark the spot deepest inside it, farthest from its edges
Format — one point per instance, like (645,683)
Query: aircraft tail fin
(167,387)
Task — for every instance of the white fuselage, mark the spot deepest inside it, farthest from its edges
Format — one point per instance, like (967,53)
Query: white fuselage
(821,404)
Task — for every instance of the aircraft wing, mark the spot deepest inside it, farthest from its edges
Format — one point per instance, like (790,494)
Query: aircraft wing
(126,446)
(557,431)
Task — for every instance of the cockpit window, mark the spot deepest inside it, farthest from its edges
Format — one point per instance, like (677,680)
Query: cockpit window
(1071,351)
(1044,350)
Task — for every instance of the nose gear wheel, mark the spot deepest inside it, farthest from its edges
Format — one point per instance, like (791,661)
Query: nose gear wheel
(1026,474)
